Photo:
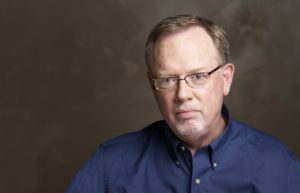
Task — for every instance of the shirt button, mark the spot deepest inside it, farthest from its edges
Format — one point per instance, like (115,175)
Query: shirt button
(197,180)
(215,164)
(182,148)
(177,163)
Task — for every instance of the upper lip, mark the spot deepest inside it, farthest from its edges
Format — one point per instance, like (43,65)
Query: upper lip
(185,111)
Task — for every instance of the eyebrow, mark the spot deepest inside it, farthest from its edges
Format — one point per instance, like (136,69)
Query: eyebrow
(166,74)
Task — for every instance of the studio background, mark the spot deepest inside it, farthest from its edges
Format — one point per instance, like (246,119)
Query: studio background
(72,75)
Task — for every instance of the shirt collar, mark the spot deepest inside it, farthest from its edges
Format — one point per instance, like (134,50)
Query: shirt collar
(217,146)
(172,141)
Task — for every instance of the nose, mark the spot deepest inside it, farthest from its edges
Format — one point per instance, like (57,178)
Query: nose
(183,91)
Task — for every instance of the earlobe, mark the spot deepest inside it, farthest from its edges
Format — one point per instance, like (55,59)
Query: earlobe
(228,72)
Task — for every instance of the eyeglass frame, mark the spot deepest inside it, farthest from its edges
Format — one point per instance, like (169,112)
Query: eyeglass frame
(205,74)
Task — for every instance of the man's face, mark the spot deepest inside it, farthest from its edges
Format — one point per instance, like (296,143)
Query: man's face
(190,111)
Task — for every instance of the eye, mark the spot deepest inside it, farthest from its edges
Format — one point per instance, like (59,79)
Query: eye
(168,80)
(197,76)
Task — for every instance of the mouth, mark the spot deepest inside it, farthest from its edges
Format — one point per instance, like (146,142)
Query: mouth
(186,114)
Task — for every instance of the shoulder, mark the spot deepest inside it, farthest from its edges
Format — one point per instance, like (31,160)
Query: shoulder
(113,156)
(261,147)
(268,158)
(260,141)
(143,135)
(131,143)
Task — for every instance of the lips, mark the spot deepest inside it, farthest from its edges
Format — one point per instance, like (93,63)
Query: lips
(186,114)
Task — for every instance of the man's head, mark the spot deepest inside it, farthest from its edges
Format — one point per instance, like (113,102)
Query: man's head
(179,23)
(178,50)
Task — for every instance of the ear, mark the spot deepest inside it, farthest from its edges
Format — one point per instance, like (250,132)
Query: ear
(228,72)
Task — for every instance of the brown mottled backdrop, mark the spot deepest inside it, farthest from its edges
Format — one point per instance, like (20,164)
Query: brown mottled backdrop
(72,75)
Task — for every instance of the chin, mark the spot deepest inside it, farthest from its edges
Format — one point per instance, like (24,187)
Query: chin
(190,127)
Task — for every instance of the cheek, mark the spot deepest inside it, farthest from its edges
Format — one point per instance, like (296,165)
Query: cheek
(211,95)
(217,98)
(165,102)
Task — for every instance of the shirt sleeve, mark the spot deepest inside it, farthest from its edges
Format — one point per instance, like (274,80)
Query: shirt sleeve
(294,176)
(90,178)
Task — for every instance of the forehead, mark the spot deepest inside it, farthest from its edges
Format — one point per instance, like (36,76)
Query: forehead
(185,50)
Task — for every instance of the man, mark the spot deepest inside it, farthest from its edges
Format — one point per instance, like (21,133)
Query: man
(198,147)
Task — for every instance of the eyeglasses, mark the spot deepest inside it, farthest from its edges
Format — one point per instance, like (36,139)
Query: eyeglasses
(193,80)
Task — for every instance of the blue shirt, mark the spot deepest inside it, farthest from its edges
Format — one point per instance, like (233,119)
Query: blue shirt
(154,160)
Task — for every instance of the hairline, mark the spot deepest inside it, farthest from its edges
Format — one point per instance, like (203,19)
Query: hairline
(153,46)
(173,25)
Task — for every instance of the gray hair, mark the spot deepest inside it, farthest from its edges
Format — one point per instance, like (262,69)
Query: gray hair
(178,23)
